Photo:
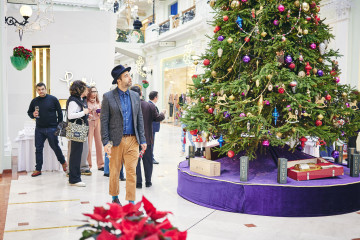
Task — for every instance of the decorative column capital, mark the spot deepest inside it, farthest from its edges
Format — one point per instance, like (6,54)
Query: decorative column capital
(341,7)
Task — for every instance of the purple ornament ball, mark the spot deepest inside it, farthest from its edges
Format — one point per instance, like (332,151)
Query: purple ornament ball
(246,59)
(335,154)
(221,38)
(320,73)
(226,114)
(288,59)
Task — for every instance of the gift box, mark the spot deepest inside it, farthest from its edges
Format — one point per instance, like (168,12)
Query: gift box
(328,169)
(205,167)
(211,154)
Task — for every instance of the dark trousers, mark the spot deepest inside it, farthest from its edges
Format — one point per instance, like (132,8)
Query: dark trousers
(41,134)
(148,166)
(75,161)
(171,106)
(352,142)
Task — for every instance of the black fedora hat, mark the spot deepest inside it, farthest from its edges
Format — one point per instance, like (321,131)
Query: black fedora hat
(117,71)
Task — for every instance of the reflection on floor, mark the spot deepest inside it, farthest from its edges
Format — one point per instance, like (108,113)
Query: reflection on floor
(45,207)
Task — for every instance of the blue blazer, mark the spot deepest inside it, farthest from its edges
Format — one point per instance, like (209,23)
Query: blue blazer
(156,125)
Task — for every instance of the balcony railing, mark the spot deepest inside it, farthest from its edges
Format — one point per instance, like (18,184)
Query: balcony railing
(177,20)
(130,36)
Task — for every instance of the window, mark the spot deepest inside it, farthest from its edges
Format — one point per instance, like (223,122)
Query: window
(41,67)
(174,9)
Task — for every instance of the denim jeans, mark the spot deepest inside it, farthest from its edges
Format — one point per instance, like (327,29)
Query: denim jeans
(107,170)
(328,150)
(41,134)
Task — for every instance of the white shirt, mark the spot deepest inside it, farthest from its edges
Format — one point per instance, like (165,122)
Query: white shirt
(74,110)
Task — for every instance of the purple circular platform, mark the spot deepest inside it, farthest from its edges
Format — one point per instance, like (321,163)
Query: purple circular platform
(262,195)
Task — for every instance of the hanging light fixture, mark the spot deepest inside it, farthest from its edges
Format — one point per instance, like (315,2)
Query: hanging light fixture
(26,12)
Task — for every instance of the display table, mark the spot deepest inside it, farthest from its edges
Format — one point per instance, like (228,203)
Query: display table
(26,151)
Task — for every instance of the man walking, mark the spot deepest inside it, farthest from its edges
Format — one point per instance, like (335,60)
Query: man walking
(149,115)
(47,111)
(122,130)
(153,96)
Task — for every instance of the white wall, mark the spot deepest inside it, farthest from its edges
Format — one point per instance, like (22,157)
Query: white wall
(80,42)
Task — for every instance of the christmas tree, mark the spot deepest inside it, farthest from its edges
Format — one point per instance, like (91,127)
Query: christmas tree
(270,78)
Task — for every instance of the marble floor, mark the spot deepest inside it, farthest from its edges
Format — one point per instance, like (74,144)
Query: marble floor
(46,207)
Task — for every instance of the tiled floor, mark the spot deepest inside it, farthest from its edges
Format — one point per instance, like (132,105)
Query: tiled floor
(45,207)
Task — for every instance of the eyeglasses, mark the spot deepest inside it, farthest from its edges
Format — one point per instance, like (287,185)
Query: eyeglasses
(94,91)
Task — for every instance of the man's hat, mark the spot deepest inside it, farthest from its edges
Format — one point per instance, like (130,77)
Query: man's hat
(117,71)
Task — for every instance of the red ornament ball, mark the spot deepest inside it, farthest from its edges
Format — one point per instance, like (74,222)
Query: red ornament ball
(210,110)
(318,122)
(225,18)
(217,28)
(292,65)
(328,97)
(202,99)
(333,72)
(194,132)
(247,39)
(231,154)
(281,90)
(206,62)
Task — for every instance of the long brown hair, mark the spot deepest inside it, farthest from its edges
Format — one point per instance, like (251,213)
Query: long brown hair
(89,95)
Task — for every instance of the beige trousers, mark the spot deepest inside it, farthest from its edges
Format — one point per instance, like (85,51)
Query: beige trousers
(126,153)
(94,132)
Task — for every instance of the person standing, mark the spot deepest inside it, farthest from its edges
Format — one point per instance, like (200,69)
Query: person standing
(122,130)
(93,103)
(150,115)
(77,113)
(154,97)
(46,110)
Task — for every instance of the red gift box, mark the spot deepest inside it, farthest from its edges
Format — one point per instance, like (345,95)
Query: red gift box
(331,171)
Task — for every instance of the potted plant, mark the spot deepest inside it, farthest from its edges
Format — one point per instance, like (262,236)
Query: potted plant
(115,222)
(21,57)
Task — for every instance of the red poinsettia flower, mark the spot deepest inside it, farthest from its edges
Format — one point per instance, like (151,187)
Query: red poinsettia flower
(164,225)
(151,210)
(131,228)
(99,214)
(175,235)
(194,76)
(105,235)
(152,237)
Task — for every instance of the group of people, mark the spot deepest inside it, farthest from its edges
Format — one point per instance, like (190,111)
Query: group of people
(123,125)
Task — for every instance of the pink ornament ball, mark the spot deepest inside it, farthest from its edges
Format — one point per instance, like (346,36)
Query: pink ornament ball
(244,1)
(276,22)
(281,8)
(337,79)
(313,46)
(266,143)
(242,115)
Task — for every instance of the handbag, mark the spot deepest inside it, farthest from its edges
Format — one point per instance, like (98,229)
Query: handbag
(77,132)
(61,129)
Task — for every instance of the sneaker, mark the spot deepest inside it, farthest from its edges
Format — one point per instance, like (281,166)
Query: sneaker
(132,202)
(139,185)
(155,162)
(64,166)
(116,200)
(106,174)
(36,173)
(78,184)
(86,172)
(101,169)
(122,179)
(148,184)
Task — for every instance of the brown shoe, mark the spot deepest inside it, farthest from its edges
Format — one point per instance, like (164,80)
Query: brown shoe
(36,173)
(116,200)
(64,166)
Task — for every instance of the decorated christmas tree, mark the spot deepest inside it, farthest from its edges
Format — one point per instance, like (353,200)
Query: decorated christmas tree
(270,78)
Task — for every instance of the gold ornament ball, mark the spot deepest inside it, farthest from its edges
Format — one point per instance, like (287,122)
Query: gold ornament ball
(301,74)
(212,3)
(297,3)
(230,40)
(315,70)
(344,94)
(213,73)
(235,4)
(320,117)
(203,80)
(232,97)
(249,114)
(269,77)
(305,6)
(306,31)
(279,134)
(196,62)
(320,60)
(305,22)
(263,34)
(229,69)
(293,130)
(207,106)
